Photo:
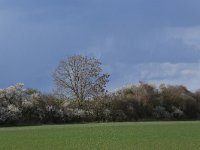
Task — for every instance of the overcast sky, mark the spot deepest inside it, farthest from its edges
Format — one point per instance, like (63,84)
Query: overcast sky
(156,41)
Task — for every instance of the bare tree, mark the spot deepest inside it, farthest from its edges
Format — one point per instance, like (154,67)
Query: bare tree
(80,78)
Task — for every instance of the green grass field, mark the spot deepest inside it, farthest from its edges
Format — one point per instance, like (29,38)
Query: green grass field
(108,136)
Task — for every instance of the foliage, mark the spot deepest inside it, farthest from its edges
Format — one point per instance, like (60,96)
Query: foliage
(143,101)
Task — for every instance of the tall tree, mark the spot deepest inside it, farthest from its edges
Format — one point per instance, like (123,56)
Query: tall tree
(80,77)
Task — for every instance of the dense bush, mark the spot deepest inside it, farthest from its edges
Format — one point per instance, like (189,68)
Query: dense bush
(19,105)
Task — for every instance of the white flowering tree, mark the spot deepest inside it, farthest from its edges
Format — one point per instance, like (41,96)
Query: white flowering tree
(12,101)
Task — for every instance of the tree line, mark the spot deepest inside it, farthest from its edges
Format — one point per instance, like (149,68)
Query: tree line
(80,96)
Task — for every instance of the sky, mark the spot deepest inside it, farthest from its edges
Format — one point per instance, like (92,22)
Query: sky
(156,41)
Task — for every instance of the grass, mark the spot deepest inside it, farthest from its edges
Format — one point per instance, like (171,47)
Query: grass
(104,136)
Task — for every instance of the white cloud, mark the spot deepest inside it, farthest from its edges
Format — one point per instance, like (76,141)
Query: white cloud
(189,35)
(187,74)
